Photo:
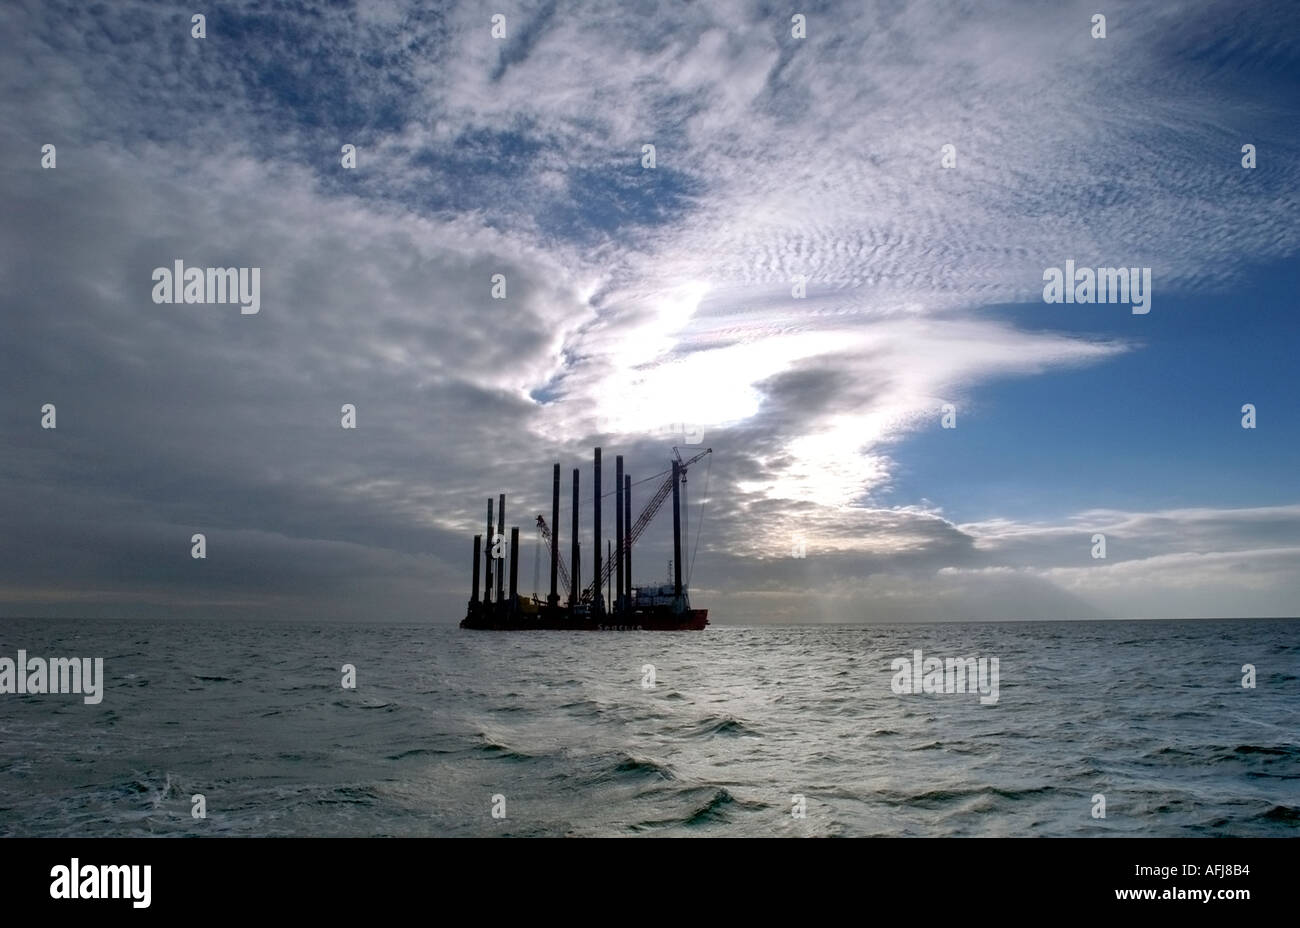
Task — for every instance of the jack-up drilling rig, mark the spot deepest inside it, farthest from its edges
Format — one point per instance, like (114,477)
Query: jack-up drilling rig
(662,607)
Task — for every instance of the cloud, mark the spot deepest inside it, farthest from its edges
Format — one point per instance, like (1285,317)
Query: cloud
(1179,562)
(636,298)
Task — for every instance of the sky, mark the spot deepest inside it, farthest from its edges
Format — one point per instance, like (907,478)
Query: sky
(644,302)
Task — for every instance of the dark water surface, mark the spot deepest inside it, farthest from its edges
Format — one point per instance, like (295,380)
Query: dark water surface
(1152,715)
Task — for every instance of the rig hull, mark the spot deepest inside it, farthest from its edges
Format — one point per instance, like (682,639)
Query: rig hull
(499,618)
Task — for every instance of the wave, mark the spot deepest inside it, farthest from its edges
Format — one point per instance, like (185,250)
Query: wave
(1287,814)
(416,752)
(1260,749)
(713,810)
(350,796)
(500,751)
(959,794)
(641,768)
(722,725)
(715,807)
(354,704)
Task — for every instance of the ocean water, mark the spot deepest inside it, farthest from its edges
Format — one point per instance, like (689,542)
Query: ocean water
(559,727)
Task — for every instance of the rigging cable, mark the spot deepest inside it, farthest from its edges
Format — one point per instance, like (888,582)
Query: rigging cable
(708,472)
(537,559)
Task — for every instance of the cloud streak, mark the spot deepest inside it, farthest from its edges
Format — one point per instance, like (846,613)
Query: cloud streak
(636,298)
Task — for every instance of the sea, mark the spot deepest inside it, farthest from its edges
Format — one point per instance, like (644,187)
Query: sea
(1139,728)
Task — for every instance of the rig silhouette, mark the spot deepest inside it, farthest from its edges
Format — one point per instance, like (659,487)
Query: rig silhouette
(662,607)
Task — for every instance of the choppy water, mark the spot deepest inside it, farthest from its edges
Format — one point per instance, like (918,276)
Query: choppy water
(1152,715)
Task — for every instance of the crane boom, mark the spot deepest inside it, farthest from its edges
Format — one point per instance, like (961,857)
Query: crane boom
(645,518)
(550,546)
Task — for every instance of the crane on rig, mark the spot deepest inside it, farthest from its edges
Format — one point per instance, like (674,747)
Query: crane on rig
(645,518)
(549,541)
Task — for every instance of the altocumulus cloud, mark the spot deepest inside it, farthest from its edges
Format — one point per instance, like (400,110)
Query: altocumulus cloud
(635,298)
